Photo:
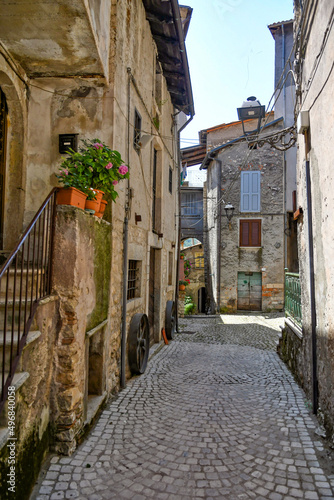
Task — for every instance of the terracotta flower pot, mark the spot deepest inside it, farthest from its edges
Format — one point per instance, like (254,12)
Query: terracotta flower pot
(103,205)
(71,196)
(93,205)
(98,214)
(182,287)
(98,197)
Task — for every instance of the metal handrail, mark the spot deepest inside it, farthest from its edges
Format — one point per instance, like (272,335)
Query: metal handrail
(293,307)
(25,279)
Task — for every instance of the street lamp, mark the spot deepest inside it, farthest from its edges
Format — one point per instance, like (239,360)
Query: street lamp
(229,209)
(251,109)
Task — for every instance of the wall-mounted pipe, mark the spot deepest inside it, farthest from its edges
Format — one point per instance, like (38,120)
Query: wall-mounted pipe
(312,288)
(125,248)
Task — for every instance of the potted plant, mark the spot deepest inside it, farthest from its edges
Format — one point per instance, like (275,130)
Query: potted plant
(95,169)
(183,284)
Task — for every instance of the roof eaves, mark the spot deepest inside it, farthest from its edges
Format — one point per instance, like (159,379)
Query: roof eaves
(211,154)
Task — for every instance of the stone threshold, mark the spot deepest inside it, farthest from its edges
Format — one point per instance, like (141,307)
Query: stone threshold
(93,405)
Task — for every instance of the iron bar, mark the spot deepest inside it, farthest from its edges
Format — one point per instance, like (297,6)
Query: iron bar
(33,268)
(25,280)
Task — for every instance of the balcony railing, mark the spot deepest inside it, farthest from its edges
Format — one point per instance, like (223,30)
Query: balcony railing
(292,298)
(25,279)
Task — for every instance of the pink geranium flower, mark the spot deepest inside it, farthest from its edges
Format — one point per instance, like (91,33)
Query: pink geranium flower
(97,145)
(110,165)
(64,172)
(123,169)
(115,182)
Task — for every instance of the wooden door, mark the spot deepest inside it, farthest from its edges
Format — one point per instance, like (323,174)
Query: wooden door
(151,295)
(3,135)
(249,291)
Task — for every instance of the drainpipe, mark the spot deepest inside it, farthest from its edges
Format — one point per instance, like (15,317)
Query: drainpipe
(312,287)
(219,236)
(125,249)
(179,167)
(284,157)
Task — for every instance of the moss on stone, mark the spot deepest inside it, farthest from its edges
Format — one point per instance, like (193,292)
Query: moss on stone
(29,459)
(102,269)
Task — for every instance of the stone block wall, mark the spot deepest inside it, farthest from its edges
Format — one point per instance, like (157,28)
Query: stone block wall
(82,257)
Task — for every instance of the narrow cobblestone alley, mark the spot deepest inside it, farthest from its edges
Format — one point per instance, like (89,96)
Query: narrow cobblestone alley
(217,415)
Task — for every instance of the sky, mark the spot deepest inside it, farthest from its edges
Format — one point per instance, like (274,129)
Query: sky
(231,57)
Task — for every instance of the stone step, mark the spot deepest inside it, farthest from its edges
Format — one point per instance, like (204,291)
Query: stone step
(16,314)
(27,280)
(32,337)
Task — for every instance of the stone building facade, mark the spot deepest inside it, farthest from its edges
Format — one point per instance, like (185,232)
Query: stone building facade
(244,258)
(95,70)
(309,351)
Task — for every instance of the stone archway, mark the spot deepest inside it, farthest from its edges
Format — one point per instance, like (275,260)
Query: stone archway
(13,194)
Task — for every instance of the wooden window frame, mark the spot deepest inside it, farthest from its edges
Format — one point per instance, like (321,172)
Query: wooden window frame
(137,131)
(250,223)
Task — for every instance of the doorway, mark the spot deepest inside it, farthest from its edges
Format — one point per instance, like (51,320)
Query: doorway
(249,291)
(201,300)
(151,300)
(3,137)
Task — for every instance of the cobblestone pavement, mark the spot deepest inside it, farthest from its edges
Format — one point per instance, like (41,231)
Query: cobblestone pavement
(216,415)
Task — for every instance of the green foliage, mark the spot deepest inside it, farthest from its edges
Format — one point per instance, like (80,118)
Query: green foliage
(189,306)
(93,166)
(187,267)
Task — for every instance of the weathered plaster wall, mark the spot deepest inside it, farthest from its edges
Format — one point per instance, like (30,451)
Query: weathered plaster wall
(316,99)
(57,38)
(269,258)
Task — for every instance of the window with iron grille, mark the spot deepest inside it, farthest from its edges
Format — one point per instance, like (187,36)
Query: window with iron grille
(250,233)
(137,131)
(170,183)
(133,279)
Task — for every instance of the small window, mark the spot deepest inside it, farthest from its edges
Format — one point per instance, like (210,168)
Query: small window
(188,204)
(137,131)
(133,279)
(170,268)
(250,191)
(199,260)
(170,181)
(250,233)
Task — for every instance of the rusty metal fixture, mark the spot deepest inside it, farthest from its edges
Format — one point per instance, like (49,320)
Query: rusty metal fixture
(137,218)
(277,140)
(170,319)
(139,343)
